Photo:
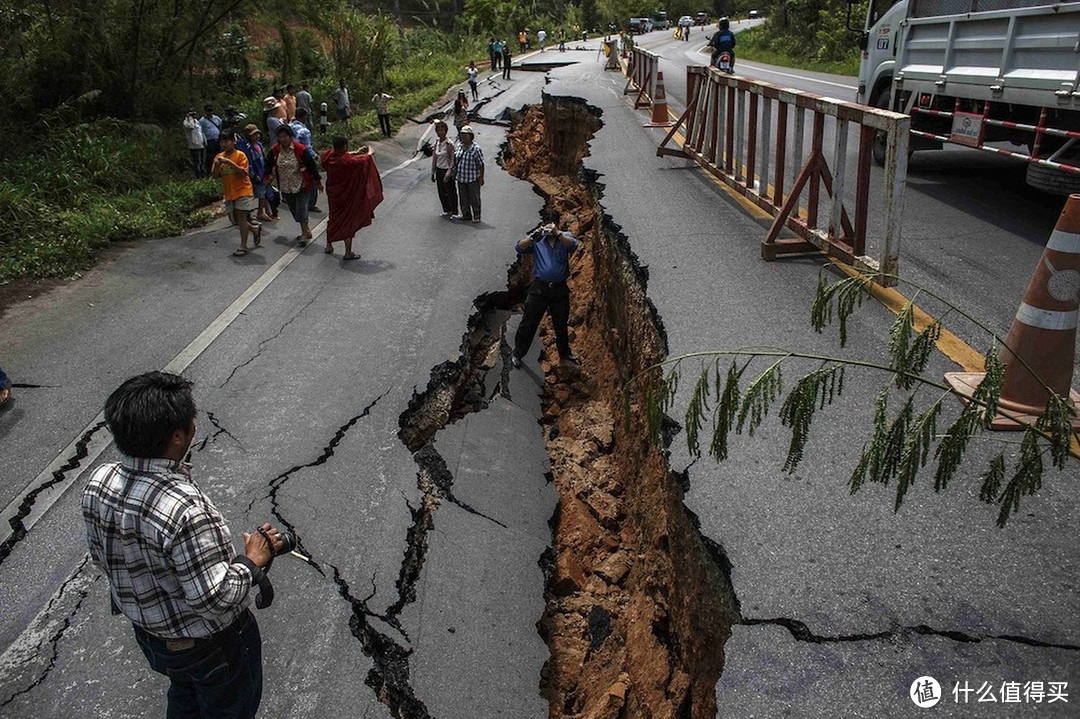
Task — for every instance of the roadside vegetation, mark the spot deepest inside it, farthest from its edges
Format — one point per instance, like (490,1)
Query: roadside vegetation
(806,35)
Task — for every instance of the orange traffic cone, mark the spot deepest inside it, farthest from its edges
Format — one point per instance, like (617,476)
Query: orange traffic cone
(1043,334)
(659,105)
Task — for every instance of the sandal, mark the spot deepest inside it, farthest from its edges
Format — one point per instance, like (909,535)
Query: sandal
(329,249)
(351,256)
(301,242)
(258,235)
(240,252)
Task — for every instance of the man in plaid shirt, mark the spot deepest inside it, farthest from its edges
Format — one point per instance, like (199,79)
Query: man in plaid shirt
(469,170)
(167,554)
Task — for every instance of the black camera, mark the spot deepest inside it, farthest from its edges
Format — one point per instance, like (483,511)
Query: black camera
(265,597)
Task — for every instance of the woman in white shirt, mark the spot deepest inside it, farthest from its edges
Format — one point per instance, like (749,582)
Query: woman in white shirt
(442,170)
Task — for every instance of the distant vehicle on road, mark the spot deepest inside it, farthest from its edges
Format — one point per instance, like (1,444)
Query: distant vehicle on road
(1018,83)
(639,25)
(753,14)
(660,21)
(701,18)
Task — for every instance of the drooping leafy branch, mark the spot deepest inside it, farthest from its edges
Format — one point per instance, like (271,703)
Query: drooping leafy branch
(902,442)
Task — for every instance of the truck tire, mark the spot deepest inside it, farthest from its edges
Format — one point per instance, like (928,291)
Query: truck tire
(880,100)
(1052,181)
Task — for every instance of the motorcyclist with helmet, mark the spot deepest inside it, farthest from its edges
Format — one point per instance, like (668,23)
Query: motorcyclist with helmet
(723,40)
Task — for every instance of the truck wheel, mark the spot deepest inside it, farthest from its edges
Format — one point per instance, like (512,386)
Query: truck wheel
(1052,181)
(881,139)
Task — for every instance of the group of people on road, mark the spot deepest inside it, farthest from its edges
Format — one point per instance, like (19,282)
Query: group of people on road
(160,542)
(290,168)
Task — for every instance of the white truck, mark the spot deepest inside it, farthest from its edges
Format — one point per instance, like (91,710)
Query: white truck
(998,76)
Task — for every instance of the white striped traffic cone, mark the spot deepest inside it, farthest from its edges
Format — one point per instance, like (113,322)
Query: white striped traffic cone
(1043,334)
(659,105)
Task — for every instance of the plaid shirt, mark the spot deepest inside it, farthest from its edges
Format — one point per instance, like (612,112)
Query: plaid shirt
(164,548)
(470,161)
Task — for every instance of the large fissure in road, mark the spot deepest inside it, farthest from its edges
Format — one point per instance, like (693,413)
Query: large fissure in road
(639,603)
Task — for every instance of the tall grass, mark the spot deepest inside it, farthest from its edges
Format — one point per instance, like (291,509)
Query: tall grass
(89,185)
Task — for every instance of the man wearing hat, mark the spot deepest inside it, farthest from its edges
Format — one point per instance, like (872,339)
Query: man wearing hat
(211,129)
(274,111)
(469,171)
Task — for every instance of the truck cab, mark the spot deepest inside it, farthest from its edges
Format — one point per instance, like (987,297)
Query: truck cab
(883,22)
(660,21)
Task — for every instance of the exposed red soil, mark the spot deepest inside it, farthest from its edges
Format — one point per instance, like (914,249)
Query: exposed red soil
(635,619)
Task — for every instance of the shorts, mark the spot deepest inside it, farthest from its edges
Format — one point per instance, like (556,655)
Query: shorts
(244,204)
(260,190)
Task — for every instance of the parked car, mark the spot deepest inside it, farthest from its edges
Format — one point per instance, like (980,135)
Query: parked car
(702,18)
(660,21)
(686,21)
(753,14)
(639,25)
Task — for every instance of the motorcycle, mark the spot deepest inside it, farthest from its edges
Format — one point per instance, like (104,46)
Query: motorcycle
(725,62)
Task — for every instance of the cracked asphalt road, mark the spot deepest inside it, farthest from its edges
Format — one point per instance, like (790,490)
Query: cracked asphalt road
(299,403)
(834,589)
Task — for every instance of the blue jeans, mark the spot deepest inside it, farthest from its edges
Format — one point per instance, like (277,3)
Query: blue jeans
(220,678)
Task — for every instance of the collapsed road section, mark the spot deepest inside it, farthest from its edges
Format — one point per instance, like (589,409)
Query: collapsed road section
(639,603)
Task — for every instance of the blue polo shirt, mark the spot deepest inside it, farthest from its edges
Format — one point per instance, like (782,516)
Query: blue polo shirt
(550,264)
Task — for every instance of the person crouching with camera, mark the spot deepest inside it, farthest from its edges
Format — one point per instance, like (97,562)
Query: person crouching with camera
(550,249)
(167,554)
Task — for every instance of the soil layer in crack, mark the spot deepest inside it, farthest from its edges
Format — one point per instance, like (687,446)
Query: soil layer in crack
(639,605)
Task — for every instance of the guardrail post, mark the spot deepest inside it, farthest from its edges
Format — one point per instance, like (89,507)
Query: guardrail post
(836,208)
(896,163)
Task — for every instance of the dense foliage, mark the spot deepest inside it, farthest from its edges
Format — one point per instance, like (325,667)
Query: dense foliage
(811,31)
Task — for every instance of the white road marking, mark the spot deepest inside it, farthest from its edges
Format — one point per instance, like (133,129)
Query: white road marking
(102,439)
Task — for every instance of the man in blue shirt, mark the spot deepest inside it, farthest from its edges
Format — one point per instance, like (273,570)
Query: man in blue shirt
(211,129)
(550,249)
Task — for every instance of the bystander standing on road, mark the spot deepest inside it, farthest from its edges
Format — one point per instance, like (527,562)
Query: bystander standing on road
(196,143)
(231,166)
(550,249)
(461,111)
(274,113)
(341,99)
(381,101)
(471,72)
(290,102)
(294,170)
(324,118)
(506,58)
(303,102)
(497,55)
(541,38)
(5,387)
(253,149)
(469,172)
(562,42)
(211,130)
(303,135)
(442,170)
(167,555)
(493,54)
(355,191)
(523,39)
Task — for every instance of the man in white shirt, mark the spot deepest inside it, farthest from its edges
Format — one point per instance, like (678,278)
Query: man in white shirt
(541,37)
(341,99)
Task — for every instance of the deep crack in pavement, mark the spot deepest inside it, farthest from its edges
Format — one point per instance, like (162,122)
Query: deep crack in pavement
(18,529)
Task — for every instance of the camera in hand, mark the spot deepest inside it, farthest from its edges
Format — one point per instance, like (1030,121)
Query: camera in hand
(265,597)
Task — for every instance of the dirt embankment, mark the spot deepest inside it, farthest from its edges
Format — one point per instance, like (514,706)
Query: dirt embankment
(638,604)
